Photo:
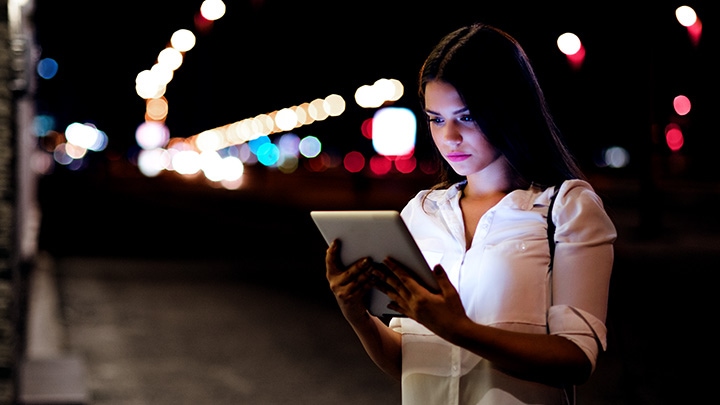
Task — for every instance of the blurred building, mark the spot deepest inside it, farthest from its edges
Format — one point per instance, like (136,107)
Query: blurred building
(19,216)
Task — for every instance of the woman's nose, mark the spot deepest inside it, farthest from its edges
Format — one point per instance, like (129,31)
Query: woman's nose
(451,135)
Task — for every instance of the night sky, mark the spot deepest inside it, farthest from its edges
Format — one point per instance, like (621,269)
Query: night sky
(637,59)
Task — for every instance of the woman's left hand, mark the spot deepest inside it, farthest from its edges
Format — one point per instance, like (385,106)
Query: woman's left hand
(438,311)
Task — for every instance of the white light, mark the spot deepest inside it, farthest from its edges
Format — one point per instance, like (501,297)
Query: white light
(148,86)
(211,165)
(685,15)
(186,162)
(152,134)
(232,168)
(393,131)
(211,10)
(617,157)
(170,58)
(310,146)
(383,90)
(84,136)
(569,43)
(334,105)
(152,162)
(209,141)
(183,40)
(286,119)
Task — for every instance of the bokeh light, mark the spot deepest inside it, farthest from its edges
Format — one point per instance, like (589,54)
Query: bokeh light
(572,47)
(405,164)
(183,40)
(380,165)
(266,137)
(686,16)
(152,135)
(310,146)
(674,137)
(47,68)
(682,105)
(354,162)
(394,131)
(616,157)
(212,9)
(379,93)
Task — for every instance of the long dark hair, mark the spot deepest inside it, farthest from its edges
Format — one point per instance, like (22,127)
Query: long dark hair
(495,79)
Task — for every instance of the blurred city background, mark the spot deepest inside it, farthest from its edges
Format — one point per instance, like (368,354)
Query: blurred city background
(164,156)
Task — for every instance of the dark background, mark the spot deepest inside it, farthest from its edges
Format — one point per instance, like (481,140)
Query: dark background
(266,55)
(638,58)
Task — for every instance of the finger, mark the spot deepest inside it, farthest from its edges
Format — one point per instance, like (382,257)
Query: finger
(379,280)
(334,264)
(397,279)
(442,278)
(332,256)
(393,306)
(400,277)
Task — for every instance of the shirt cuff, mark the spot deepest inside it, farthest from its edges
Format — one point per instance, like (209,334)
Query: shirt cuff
(580,327)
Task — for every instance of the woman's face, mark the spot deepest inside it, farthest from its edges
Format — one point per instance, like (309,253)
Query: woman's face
(457,137)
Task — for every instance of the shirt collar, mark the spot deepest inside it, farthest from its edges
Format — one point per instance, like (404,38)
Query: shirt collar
(516,199)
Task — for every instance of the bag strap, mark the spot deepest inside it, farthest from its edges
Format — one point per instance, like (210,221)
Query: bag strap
(551,225)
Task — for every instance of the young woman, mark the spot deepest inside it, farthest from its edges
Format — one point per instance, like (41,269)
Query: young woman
(505,327)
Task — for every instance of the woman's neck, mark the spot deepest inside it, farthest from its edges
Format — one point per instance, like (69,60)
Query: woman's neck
(490,181)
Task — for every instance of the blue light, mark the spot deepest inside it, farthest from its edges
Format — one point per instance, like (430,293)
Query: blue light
(268,154)
(47,68)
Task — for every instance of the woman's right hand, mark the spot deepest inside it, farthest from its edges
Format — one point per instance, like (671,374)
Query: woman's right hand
(348,284)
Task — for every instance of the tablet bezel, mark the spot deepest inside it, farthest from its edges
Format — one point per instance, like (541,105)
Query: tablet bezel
(377,234)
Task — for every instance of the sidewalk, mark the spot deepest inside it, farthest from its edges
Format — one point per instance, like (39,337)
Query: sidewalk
(263,329)
(49,373)
(168,333)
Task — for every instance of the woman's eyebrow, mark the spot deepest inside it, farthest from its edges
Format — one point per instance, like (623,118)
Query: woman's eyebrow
(460,111)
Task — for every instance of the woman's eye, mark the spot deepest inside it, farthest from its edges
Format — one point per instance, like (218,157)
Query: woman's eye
(466,118)
(434,120)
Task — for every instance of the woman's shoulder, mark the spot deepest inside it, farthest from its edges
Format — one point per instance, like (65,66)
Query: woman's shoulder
(578,203)
(576,189)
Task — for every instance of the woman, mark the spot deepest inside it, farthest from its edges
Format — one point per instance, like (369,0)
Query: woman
(505,327)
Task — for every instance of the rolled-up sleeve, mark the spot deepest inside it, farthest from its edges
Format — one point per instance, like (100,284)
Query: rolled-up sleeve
(584,255)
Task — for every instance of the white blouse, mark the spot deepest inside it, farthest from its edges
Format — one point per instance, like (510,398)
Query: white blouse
(504,281)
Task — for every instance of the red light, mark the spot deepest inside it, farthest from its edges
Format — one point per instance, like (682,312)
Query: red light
(674,137)
(681,104)
(576,59)
(380,164)
(354,162)
(405,164)
(366,128)
(695,31)
(202,24)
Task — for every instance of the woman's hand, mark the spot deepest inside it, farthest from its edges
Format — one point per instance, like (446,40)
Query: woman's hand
(348,284)
(438,311)
(550,359)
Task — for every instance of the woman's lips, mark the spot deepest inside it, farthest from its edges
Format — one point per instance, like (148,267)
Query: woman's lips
(457,157)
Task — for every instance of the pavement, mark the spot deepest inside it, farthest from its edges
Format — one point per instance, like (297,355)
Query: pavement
(235,309)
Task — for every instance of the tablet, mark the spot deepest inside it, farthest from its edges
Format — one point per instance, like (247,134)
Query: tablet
(378,234)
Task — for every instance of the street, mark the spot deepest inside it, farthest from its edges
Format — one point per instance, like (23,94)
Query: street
(234,308)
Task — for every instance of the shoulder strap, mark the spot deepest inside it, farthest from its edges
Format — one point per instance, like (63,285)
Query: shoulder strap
(551,225)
